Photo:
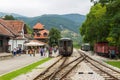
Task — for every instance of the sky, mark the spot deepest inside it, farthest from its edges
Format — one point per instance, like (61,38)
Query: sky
(32,8)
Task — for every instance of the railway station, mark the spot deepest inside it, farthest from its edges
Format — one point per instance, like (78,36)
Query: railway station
(79,66)
(60,40)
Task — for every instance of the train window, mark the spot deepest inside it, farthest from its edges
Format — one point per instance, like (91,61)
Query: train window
(65,44)
(1,43)
(69,43)
(60,43)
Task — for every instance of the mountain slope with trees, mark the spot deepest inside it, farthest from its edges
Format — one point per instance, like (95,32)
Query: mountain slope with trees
(68,21)
(13,14)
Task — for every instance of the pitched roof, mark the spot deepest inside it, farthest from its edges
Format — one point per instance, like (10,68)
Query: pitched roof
(6,25)
(4,31)
(38,26)
(16,26)
(11,27)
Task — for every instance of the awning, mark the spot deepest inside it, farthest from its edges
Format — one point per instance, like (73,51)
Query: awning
(34,44)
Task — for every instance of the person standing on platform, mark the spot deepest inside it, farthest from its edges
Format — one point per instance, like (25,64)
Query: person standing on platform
(19,52)
(45,51)
(50,51)
(33,50)
(14,51)
(30,52)
(41,51)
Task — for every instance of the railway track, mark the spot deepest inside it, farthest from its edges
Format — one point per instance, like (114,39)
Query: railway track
(63,67)
(107,72)
(60,68)
(45,74)
(65,70)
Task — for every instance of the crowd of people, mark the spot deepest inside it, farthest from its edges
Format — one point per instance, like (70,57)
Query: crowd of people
(17,51)
(32,51)
(43,51)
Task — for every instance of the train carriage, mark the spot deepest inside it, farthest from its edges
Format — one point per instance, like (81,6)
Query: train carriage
(65,46)
(85,47)
(103,49)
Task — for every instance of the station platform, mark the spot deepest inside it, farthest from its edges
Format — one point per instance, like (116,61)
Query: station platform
(4,56)
(17,62)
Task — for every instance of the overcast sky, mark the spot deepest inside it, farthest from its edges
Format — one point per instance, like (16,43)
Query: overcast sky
(32,8)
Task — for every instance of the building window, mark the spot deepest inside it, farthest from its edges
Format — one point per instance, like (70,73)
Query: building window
(36,30)
(1,43)
(38,34)
(45,34)
(20,45)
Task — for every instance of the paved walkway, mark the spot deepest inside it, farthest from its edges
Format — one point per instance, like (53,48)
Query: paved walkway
(17,62)
(5,54)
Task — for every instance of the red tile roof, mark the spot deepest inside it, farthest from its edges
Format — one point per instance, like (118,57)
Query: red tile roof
(6,25)
(11,27)
(38,26)
(4,31)
(16,25)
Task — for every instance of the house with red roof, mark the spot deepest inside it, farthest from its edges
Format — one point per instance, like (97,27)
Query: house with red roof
(40,33)
(13,33)
(5,36)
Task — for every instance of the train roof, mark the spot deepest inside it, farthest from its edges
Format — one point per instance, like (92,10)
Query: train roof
(86,44)
(65,39)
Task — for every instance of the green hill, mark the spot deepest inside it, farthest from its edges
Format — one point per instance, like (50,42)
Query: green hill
(71,22)
(13,14)
(68,21)
(68,24)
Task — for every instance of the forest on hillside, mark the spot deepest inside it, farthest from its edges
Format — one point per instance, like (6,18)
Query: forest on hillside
(102,23)
(68,21)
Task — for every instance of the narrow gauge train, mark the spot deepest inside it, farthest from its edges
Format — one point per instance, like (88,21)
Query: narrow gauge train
(103,49)
(85,47)
(65,46)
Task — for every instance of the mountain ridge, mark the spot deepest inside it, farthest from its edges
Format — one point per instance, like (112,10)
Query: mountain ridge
(66,21)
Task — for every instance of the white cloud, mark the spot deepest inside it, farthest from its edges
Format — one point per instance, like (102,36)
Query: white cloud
(39,7)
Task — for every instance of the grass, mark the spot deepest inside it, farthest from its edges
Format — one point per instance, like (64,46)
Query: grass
(11,75)
(76,45)
(114,63)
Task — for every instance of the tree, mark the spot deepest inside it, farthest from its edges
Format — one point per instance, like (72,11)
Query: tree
(113,12)
(102,23)
(94,28)
(54,36)
(9,17)
(29,30)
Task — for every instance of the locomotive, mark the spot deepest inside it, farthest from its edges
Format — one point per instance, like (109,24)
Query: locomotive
(65,46)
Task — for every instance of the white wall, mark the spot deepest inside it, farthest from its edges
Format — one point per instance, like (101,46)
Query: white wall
(15,43)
